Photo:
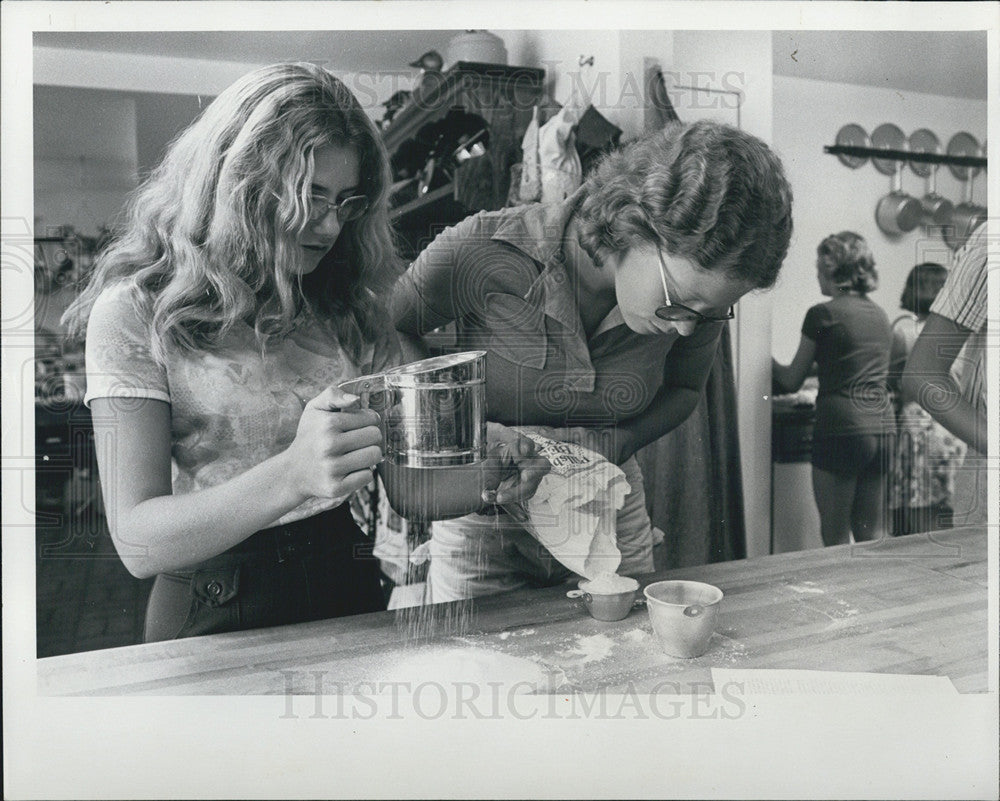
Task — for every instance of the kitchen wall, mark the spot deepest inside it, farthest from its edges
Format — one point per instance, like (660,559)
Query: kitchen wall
(610,83)
(102,120)
(740,61)
(830,196)
(86,157)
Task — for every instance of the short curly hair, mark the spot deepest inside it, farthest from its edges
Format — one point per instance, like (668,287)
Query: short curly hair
(922,285)
(847,261)
(704,191)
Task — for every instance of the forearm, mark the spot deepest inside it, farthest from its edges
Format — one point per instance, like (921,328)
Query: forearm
(941,397)
(174,532)
(670,408)
(967,424)
(928,381)
(785,378)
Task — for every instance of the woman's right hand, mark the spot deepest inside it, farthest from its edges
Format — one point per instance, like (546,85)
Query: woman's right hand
(336,447)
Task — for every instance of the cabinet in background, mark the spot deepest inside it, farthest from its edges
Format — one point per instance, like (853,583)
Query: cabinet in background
(794,516)
(428,197)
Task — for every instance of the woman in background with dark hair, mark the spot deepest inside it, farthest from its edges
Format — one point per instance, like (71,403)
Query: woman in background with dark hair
(927,455)
(849,339)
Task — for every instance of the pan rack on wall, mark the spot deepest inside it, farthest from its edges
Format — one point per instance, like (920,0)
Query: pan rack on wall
(889,150)
(904,155)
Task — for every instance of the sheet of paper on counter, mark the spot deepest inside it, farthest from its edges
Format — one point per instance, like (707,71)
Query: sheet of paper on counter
(829,682)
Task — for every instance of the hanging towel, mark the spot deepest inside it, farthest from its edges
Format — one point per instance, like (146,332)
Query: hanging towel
(561,170)
(595,136)
(530,185)
(659,110)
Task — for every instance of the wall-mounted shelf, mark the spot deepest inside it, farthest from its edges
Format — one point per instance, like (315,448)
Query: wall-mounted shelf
(904,155)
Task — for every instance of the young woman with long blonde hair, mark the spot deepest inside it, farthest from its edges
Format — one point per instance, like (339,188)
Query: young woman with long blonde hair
(244,284)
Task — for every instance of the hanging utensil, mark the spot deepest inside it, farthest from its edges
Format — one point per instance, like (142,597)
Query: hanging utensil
(898,213)
(887,137)
(967,214)
(965,218)
(937,209)
(852,135)
(963,144)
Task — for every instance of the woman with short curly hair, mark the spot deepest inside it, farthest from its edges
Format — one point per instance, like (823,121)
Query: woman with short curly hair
(602,317)
(849,339)
(705,192)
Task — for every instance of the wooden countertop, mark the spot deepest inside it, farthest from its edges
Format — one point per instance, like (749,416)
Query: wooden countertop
(911,605)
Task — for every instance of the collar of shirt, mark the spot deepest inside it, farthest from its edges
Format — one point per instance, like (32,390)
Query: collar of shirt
(537,231)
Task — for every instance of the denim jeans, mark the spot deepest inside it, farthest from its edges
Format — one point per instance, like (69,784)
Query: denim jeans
(312,569)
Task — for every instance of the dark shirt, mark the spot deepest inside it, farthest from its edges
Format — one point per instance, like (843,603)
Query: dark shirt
(853,341)
(501,277)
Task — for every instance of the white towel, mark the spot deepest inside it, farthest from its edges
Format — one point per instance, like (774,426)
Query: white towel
(561,170)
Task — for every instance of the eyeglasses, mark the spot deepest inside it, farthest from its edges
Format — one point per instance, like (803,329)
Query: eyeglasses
(348,209)
(678,312)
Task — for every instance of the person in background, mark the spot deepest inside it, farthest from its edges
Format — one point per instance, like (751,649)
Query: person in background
(849,338)
(953,339)
(601,316)
(245,284)
(927,455)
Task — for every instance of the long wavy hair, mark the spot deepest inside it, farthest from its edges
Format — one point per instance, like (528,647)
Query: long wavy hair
(705,191)
(209,239)
(847,261)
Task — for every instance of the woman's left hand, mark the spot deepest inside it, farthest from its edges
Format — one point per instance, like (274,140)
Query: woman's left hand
(515,468)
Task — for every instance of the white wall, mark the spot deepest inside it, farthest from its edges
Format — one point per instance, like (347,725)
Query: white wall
(831,197)
(89,134)
(134,72)
(741,61)
(86,159)
(614,83)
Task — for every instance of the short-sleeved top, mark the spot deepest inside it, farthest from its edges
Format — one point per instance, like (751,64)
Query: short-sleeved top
(231,408)
(853,343)
(501,277)
(962,300)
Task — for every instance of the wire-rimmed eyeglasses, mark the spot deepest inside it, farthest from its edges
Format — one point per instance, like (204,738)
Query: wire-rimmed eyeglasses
(678,312)
(350,208)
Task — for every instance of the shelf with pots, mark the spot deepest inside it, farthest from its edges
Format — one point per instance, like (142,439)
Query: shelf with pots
(889,150)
